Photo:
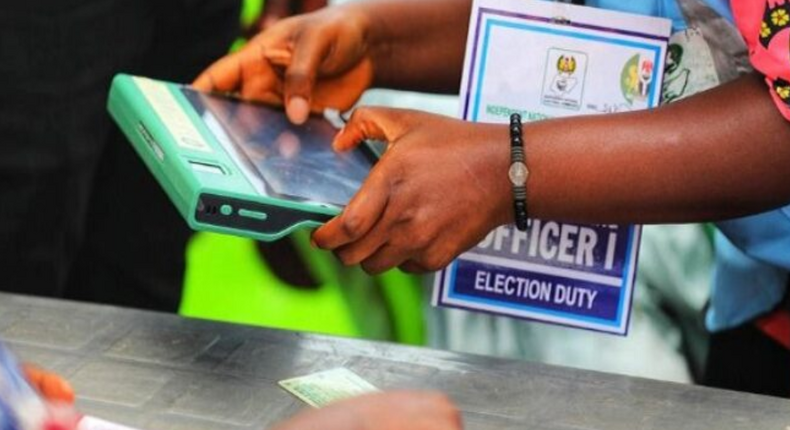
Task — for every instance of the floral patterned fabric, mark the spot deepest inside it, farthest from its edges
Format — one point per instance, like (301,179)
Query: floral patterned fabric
(765,25)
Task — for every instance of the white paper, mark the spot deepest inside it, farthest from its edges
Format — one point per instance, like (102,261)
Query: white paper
(547,60)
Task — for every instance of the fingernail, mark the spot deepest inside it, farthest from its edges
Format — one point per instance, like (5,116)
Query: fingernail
(298,109)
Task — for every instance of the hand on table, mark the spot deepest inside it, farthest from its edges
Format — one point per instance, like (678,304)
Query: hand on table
(441,186)
(397,410)
(307,63)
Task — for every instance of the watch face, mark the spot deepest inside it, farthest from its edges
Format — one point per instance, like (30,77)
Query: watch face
(518,174)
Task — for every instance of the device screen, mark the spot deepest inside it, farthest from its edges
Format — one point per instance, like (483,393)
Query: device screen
(294,161)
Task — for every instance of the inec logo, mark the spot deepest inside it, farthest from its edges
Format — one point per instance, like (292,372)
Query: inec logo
(636,80)
(563,83)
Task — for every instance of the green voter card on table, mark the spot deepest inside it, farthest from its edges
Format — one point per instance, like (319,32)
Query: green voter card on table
(322,388)
(236,167)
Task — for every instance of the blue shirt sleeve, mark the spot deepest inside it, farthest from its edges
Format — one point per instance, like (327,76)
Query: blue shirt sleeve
(660,8)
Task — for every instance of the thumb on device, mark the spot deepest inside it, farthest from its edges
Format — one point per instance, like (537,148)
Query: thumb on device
(374,123)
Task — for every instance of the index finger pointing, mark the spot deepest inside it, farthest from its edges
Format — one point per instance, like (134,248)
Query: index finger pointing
(301,74)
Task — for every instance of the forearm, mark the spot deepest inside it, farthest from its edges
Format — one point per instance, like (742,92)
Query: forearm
(720,154)
(416,44)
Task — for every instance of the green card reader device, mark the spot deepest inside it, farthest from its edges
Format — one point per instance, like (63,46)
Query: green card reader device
(237,167)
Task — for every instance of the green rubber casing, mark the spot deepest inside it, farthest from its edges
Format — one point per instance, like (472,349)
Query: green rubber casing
(171,139)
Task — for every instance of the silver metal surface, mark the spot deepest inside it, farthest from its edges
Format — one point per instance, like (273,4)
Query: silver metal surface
(156,371)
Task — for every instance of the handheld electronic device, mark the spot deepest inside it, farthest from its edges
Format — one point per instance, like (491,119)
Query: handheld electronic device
(236,167)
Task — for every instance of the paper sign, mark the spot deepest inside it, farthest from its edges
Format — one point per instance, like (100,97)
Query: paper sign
(545,60)
(320,389)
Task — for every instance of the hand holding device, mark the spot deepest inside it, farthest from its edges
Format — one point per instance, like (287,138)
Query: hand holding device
(440,187)
(237,167)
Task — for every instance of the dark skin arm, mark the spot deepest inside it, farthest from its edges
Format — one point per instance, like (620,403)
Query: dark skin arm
(418,45)
(720,154)
(442,186)
(695,160)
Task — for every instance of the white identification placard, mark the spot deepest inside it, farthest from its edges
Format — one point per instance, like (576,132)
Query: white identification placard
(546,60)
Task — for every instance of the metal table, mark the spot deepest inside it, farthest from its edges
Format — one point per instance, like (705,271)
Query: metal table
(157,371)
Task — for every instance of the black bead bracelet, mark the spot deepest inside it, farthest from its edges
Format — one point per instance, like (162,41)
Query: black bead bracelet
(518,172)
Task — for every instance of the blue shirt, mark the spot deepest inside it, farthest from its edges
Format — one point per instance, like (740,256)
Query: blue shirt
(661,8)
(753,253)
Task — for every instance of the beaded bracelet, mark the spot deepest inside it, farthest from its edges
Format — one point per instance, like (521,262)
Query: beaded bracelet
(518,172)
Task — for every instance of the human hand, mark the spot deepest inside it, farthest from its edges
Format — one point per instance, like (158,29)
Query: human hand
(307,63)
(402,410)
(440,187)
(51,386)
